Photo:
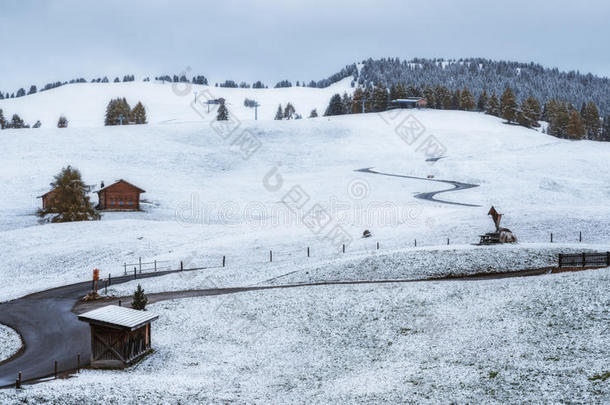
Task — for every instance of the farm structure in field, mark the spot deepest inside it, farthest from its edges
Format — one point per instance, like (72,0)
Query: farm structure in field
(120,196)
(409,102)
(119,336)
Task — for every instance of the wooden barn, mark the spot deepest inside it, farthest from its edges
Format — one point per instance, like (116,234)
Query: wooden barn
(46,198)
(119,196)
(119,336)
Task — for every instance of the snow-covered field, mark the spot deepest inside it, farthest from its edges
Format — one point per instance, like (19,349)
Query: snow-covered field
(205,199)
(529,340)
(10,342)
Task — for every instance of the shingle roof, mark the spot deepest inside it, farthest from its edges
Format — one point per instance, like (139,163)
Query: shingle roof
(120,181)
(121,317)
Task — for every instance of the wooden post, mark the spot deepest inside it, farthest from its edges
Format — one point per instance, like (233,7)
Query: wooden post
(55,369)
(308,251)
(18,382)
(109,278)
(415,242)
(140,262)
(78,363)
(224,261)
(580,236)
(447,241)
(270,256)
(155,265)
(377,245)
(181,265)
(551,237)
(135,273)
(343,248)
(120,303)
(125,265)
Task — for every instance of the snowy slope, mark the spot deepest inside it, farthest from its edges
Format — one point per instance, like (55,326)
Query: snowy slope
(84,104)
(204,200)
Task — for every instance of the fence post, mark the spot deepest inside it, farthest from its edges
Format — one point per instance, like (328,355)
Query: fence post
(270,256)
(560,259)
(125,265)
(155,265)
(120,303)
(447,241)
(551,237)
(78,363)
(308,251)
(55,369)
(140,262)
(181,265)
(109,278)
(344,248)
(415,242)
(224,260)
(377,245)
(580,236)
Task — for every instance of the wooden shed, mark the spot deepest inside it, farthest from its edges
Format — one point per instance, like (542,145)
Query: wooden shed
(119,336)
(120,196)
(46,198)
(409,102)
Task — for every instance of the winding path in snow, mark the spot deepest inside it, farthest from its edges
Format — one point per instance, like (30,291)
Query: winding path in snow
(457,186)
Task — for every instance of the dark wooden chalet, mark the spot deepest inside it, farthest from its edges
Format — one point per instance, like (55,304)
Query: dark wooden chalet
(120,196)
(409,102)
(119,336)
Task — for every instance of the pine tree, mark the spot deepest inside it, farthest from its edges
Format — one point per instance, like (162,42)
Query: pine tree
(289,111)
(429,96)
(69,202)
(313,114)
(575,128)
(559,117)
(118,112)
(380,98)
(529,113)
(590,116)
(223,113)
(16,122)
(357,99)
(139,300)
(62,122)
(138,114)
(347,103)
(467,100)
(279,115)
(2,120)
(33,89)
(508,105)
(21,92)
(482,101)
(493,105)
(335,106)
(37,124)
(455,100)
(605,132)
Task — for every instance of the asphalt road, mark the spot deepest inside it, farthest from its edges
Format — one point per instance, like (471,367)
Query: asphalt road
(457,186)
(50,331)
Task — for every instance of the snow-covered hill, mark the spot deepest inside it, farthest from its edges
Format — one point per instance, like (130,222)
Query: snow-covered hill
(84,104)
(205,197)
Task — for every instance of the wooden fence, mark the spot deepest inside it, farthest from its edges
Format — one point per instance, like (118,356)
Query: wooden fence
(584,260)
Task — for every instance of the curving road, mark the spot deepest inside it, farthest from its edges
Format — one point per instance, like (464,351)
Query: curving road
(50,331)
(457,186)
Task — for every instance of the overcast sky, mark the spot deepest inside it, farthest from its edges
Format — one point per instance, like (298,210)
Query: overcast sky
(270,40)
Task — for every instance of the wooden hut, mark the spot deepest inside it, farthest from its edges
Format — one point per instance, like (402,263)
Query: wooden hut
(409,102)
(119,196)
(119,336)
(47,198)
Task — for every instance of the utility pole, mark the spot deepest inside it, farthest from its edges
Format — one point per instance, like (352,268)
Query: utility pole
(256,111)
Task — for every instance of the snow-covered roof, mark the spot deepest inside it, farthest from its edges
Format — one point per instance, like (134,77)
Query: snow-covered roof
(121,317)
(407,100)
(117,182)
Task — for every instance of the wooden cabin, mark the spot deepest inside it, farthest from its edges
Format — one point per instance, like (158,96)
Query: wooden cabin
(409,102)
(119,196)
(47,198)
(119,336)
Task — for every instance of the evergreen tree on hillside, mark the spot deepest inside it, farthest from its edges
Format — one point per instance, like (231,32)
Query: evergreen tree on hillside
(138,114)
(357,101)
(605,132)
(62,122)
(279,114)
(33,90)
(289,111)
(223,113)
(380,99)
(529,113)
(482,101)
(118,112)
(69,202)
(37,124)
(16,122)
(21,92)
(347,103)
(455,100)
(590,117)
(559,117)
(335,106)
(493,105)
(575,128)
(467,100)
(429,96)
(139,300)
(2,120)
(313,114)
(508,105)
